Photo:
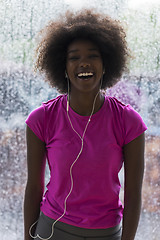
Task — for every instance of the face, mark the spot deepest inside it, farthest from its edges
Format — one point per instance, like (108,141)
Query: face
(84,66)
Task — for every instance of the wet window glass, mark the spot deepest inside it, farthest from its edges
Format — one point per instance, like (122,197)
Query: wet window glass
(21,90)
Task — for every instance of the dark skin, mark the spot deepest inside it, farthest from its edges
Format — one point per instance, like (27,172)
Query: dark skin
(36,160)
(134,169)
(84,56)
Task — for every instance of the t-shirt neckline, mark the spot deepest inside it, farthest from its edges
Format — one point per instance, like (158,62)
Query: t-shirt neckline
(95,115)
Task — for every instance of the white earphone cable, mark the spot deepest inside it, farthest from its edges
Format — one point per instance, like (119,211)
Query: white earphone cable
(71,188)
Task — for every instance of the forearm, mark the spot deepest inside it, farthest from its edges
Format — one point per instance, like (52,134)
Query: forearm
(32,201)
(131,214)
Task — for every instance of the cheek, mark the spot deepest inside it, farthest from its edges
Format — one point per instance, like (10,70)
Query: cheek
(100,68)
(99,64)
(69,68)
(70,72)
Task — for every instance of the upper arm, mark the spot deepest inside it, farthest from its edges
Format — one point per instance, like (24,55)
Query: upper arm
(134,165)
(36,160)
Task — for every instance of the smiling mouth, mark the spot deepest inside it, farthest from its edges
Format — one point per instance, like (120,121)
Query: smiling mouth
(85,76)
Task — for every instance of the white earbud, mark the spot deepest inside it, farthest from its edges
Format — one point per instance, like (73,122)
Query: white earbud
(66,75)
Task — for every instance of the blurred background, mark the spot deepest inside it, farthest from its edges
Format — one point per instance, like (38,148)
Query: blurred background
(21,91)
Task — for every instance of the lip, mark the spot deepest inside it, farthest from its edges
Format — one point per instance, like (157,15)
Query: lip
(85,71)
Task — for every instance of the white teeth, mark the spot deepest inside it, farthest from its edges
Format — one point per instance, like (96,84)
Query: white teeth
(85,74)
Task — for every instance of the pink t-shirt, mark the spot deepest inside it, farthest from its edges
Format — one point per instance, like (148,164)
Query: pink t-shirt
(94,202)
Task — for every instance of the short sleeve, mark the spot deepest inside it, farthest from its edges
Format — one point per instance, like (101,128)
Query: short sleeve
(36,122)
(133,124)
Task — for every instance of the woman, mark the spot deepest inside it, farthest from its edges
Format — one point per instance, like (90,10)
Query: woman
(85,136)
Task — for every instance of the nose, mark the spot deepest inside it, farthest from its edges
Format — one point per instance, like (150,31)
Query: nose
(85,64)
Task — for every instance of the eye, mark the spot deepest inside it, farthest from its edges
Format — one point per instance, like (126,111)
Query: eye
(94,56)
(72,58)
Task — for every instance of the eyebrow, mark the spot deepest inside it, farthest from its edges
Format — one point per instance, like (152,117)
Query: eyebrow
(76,50)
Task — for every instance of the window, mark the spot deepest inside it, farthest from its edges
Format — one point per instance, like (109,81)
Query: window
(21,91)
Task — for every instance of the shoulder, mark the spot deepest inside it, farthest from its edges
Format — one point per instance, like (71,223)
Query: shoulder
(118,106)
(127,119)
(39,113)
(115,105)
(55,102)
(114,102)
(39,118)
(127,112)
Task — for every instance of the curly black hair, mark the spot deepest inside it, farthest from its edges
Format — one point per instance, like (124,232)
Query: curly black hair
(106,33)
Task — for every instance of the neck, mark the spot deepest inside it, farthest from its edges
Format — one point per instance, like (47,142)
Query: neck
(83,103)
